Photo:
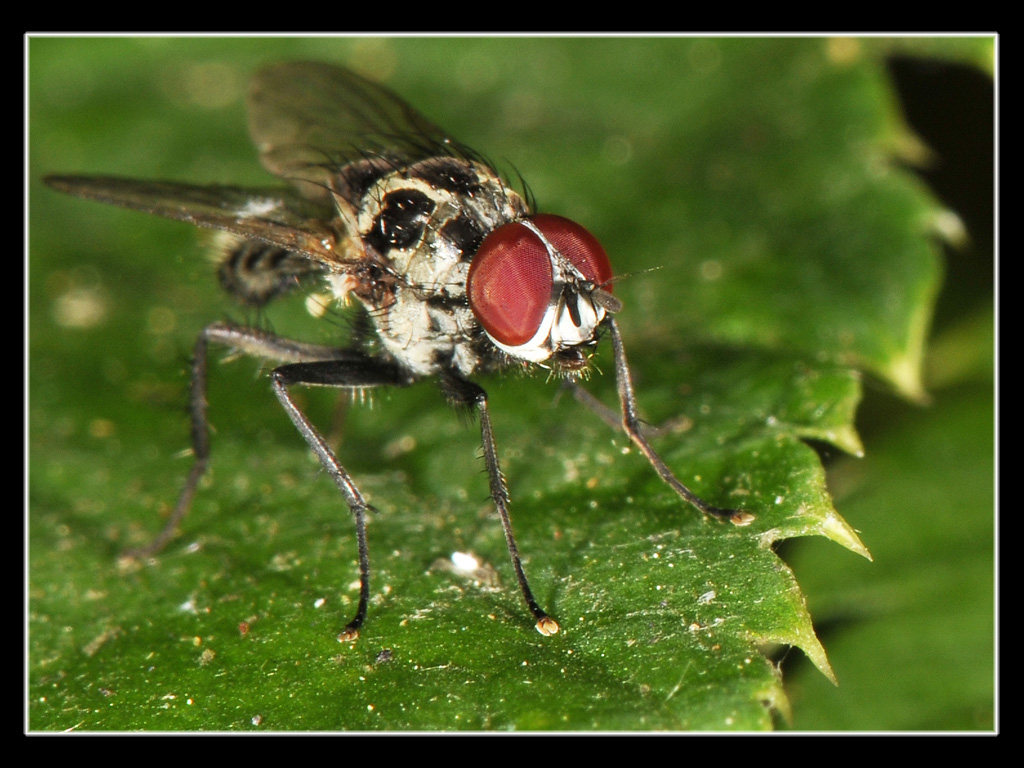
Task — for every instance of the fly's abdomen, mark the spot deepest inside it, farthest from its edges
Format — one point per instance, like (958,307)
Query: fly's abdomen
(254,272)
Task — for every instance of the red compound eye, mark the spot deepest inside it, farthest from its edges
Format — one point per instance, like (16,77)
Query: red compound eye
(509,284)
(510,280)
(578,246)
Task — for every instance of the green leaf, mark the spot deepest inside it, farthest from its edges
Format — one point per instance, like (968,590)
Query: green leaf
(913,637)
(790,256)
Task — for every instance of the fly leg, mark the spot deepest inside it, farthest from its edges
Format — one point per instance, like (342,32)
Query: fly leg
(344,374)
(613,418)
(200,450)
(462,392)
(250,341)
(631,425)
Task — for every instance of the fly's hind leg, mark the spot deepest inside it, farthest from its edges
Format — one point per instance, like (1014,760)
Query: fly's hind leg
(249,341)
(200,450)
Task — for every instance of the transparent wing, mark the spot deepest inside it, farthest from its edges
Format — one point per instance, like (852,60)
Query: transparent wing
(310,119)
(277,216)
(321,127)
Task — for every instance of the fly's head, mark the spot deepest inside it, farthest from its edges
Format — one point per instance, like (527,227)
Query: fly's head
(541,287)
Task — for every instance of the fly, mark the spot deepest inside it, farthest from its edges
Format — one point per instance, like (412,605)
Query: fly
(457,275)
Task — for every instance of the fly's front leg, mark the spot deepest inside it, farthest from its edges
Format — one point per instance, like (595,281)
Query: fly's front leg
(462,392)
(344,374)
(631,424)
(613,418)
(250,341)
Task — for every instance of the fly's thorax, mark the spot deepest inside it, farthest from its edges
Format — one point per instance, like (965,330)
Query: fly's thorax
(420,226)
